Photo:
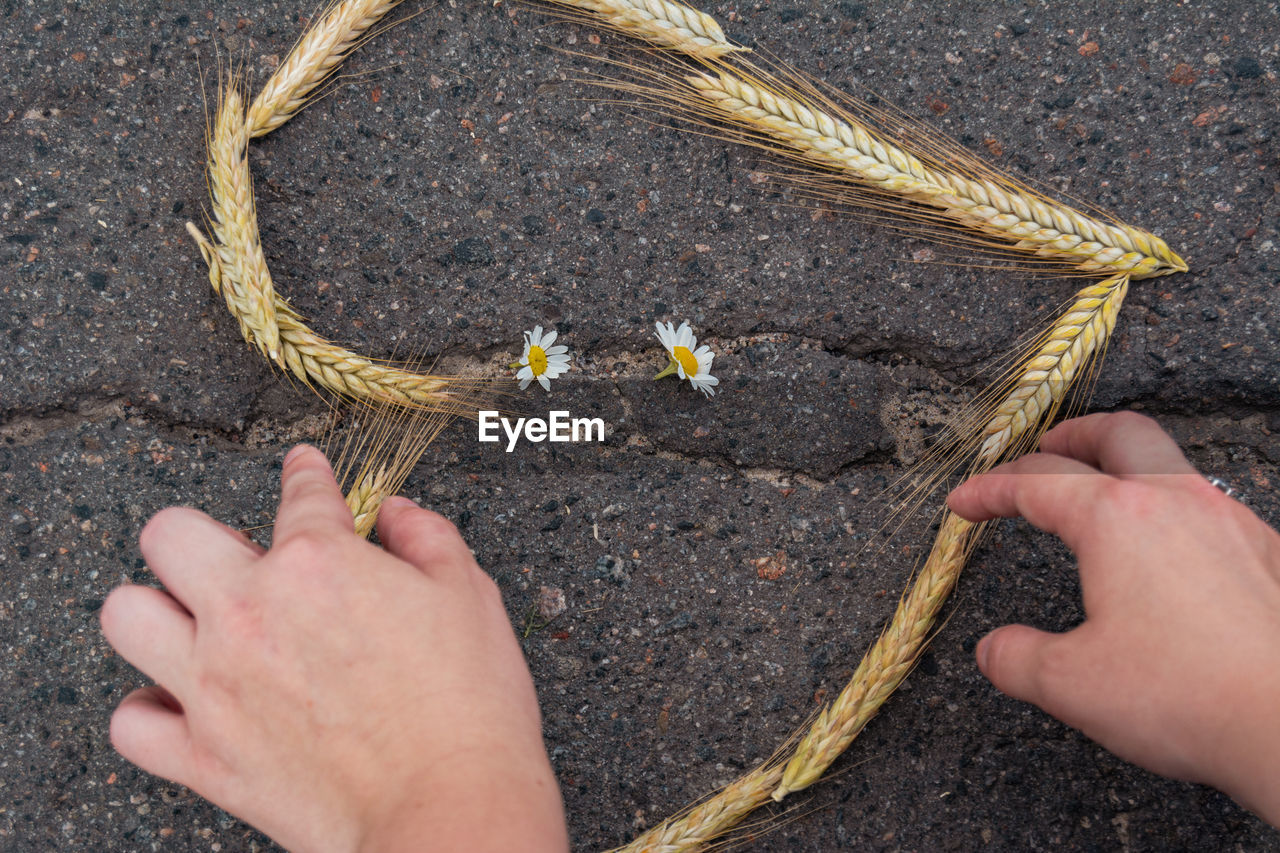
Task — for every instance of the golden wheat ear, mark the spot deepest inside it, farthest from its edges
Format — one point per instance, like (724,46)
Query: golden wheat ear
(245,279)
(887,663)
(1036,392)
(237,265)
(381,448)
(313,61)
(844,156)
(661,23)
(1015,413)
(1008,417)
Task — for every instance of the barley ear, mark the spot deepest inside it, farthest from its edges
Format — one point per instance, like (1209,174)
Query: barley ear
(887,663)
(662,23)
(312,61)
(1075,337)
(244,274)
(365,499)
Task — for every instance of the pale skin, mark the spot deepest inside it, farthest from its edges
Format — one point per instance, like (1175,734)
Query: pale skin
(345,698)
(337,696)
(1176,667)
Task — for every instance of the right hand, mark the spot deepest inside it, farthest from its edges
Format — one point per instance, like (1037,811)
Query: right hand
(1177,664)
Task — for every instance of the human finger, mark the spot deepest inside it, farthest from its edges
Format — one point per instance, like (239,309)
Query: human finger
(150,729)
(150,630)
(1122,444)
(1054,493)
(310,500)
(1013,658)
(424,539)
(189,552)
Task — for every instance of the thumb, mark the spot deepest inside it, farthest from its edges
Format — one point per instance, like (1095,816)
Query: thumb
(1013,658)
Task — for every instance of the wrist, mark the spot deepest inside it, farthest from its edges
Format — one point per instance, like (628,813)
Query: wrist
(480,807)
(1253,776)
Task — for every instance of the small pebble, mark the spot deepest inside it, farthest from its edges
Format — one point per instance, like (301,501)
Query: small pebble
(551,603)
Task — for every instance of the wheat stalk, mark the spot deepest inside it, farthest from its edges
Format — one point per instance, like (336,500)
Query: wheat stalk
(314,359)
(887,663)
(699,826)
(312,61)
(311,356)
(380,452)
(1008,416)
(662,23)
(248,289)
(813,128)
(1028,221)
(878,675)
(1038,389)
(237,266)
(1044,379)
(1041,385)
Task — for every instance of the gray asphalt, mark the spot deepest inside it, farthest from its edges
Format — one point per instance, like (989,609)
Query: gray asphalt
(463,188)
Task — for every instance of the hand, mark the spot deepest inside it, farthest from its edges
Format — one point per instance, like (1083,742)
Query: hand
(1177,664)
(336,696)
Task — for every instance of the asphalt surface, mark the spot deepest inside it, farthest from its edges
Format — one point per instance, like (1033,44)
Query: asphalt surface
(462,188)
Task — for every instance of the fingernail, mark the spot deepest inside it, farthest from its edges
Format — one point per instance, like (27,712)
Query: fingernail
(984,652)
(397,502)
(295,452)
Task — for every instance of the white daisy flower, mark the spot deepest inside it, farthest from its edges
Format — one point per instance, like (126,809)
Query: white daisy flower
(541,360)
(686,361)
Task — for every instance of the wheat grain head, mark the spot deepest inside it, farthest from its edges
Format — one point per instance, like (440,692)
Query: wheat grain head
(887,663)
(765,107)
(247,282)
(1074,339)
(316,361)
(702,824)
(381,450)
(662,23)
(313,60)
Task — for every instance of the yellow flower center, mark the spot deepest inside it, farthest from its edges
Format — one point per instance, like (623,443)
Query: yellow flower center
(686,360)
(538,360)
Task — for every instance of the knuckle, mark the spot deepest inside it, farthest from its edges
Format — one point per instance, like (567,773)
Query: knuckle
(306,550)
(241,622)
(1129,421)
(1130,499)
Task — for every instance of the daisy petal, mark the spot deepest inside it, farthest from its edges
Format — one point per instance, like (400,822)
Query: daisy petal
(666,335)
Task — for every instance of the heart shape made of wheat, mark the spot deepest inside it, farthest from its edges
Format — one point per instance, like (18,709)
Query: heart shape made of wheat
(776,109)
